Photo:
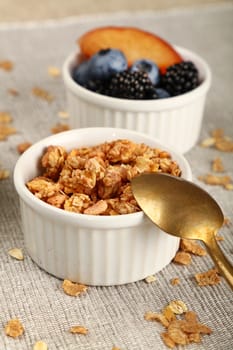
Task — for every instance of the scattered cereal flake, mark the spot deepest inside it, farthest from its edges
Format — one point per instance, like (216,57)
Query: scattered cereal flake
(217,133)
(152,316)
(59,128)
(229,187)
(14,328)
(217,165)
(115,348)
(6,130)
(72,288)
(194,337)
(174,281)
(40,345)
(224,144)
(16,253)
(63,115)
(210,179)
(182,258)
(13,92)
(210,141)
(78,330)
(179,331)
(43,94)
(190,246)
(226,221)
(169,314)
(178,307)
(150,279)
(176,334)
(4,174)
(208,278)
(54,71)
(22,147)
(5,117)
(6,65)
(219,238)
(167,340)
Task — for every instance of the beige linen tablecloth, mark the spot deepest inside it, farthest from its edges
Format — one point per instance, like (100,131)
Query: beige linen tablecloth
(113,315)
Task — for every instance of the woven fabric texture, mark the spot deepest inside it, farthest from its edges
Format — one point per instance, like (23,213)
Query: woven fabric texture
(113,315)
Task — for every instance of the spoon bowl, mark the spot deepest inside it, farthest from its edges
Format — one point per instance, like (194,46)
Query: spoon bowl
(183,209)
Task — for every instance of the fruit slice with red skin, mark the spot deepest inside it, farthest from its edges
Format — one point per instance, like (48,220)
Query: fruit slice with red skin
(133,42)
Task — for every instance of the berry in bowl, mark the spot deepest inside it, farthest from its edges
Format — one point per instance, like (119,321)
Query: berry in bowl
(79,217)
(129,78)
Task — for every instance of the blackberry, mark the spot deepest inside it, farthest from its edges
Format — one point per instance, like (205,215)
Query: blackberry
(130,85)
(180,78)
(97,85)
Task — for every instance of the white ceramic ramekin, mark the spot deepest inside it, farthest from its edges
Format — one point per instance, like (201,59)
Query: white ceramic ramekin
(94,250)
(175,121)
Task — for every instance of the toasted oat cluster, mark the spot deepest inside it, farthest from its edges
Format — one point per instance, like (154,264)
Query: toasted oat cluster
(96,180)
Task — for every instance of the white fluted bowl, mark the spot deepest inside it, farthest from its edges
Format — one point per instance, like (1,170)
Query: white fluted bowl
(94,250)
(175,121)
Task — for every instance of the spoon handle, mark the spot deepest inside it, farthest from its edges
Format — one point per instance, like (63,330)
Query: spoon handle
(224,266)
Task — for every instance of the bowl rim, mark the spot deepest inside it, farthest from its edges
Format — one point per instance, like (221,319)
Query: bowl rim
(104,221)
(139,105)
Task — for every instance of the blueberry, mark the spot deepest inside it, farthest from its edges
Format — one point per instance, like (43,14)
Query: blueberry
(107,62)
(81,73)
(148,67)
(162,93)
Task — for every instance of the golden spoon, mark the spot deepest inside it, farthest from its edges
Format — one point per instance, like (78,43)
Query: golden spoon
(183,209)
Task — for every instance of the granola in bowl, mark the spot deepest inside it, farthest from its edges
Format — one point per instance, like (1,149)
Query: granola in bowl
(96,180)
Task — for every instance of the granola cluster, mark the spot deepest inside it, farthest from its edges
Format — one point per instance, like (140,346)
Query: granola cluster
(96,180)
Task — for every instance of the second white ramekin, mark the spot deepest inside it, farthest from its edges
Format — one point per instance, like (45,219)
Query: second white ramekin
(174,121)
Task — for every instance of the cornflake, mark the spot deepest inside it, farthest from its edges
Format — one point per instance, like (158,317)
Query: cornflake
(217,165)
(78,330)
(190,246)
(115,348)
(59,128)
(178,307)
(5,117)
(40,345)
(219,238)
(217,133)
(152,316)
(180,331)
(182,258)
(43,94)
(210,179)
(174,281)
(22,147)
(208,278)
(6,65)
(16,253)
(4,174)
(229,187)
(13,92)
(54,71)
(63,114)
(219,141)
(73,289)
(225,144)
(226,221)
(210,141)
(14,328)
(150,279)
